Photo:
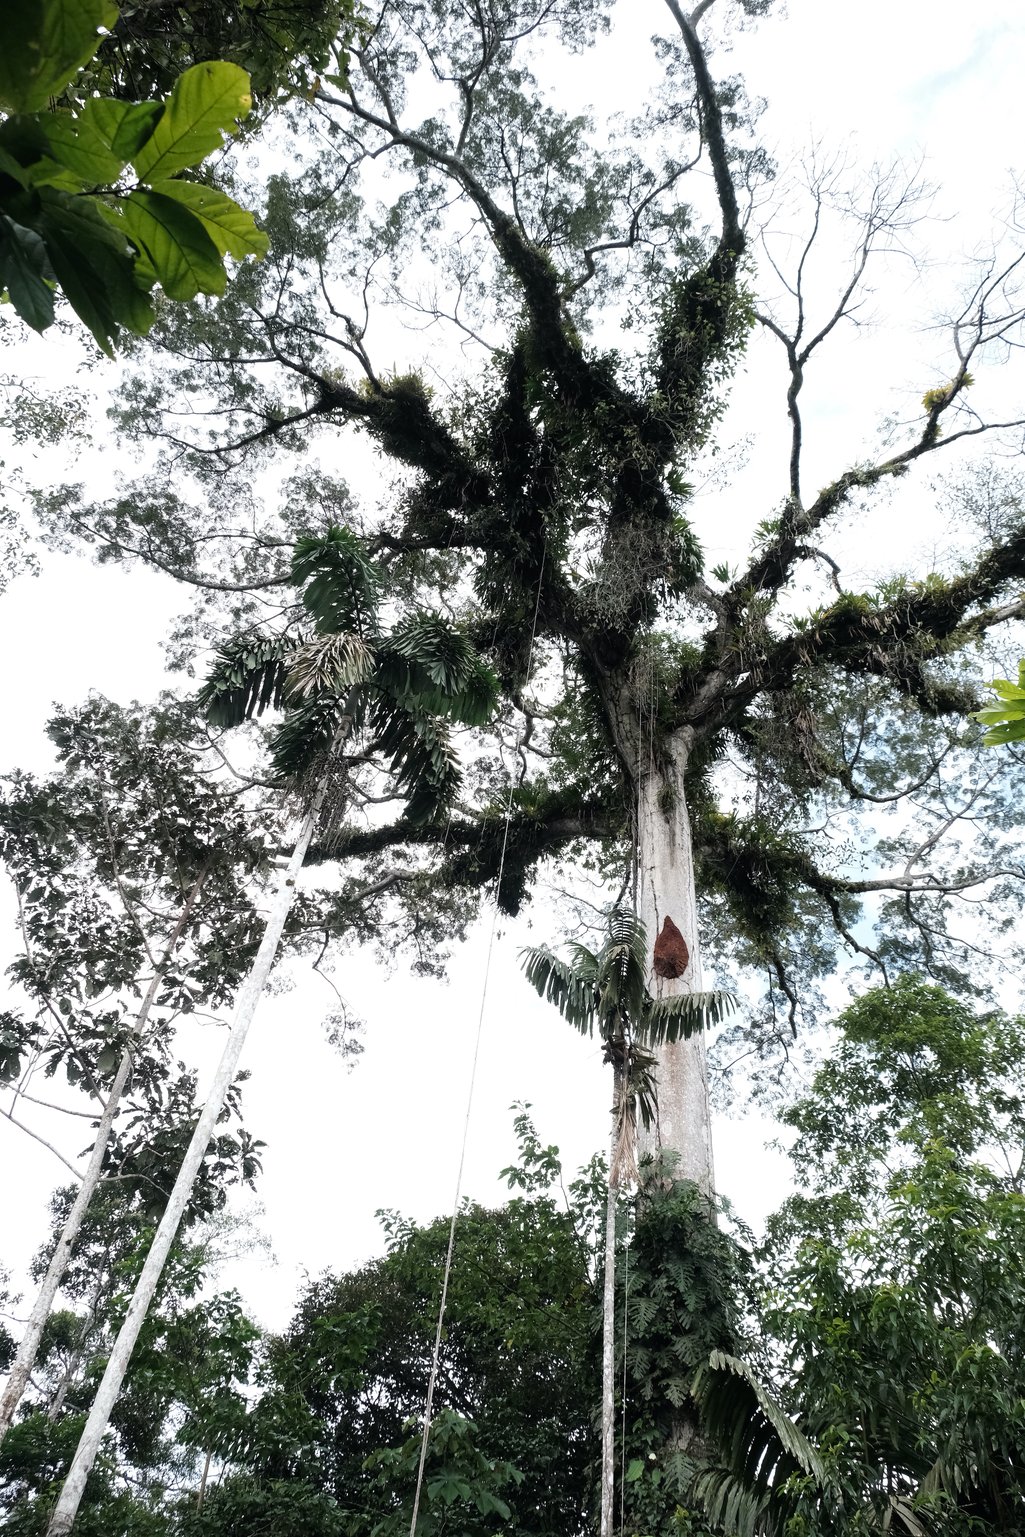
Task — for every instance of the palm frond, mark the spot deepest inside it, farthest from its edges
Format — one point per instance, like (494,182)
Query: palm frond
(428,659)
(301,745)
(666,1020)
(760,1443)
(733,1508)
(341,586)
(568,986)
(421,755)
(247,677)
(327,664)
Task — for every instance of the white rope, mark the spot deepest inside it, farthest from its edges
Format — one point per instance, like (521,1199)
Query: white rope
(436,1355)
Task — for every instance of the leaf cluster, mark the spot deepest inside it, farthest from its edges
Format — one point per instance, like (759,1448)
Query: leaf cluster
(91,197)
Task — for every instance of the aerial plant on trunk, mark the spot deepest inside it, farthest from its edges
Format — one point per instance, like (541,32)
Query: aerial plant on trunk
(606,993)
(334,671)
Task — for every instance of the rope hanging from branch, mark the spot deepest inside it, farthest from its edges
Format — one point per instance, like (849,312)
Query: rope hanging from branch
(436,1353)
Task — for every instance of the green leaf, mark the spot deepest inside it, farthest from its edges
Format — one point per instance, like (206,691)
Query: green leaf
(123,126)
(183,256)
(23,271)
(45,44)
(76,145)
(94,266)
(204,105)
(232,229)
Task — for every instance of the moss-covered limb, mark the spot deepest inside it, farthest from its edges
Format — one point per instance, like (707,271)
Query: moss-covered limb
(772,567)
(892,639)
(541,823)
(715,140)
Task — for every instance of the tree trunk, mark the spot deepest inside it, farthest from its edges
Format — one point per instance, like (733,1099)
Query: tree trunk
(25,1360)
(665,888)
(252,989)
(608,1328)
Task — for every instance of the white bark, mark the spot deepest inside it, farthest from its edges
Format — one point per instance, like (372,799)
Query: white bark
(25,1360)
(608,1337)
(99,1416)
(665,887)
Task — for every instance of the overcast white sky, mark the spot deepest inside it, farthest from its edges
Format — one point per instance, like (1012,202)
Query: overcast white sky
(881,78)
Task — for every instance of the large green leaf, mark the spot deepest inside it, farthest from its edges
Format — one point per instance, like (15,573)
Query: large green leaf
(427,659)
(247,677)
(232,229)
(182,255)
(94,266)
(341,587)
(76,144)
(123,126)
(205,104)
(45,43)
(23,272)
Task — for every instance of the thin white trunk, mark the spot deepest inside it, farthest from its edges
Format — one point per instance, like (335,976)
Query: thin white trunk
(249,997)
(25,1360)
(608,1335)
(665,888)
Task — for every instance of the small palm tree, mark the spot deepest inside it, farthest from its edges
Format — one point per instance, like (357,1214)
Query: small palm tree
(333,673)
(606,994)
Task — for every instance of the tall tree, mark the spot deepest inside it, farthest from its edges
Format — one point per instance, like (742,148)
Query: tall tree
(546,495)
(894,1273)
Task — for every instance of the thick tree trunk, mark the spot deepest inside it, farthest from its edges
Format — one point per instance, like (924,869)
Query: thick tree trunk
(25,1360)
(252,989)
(665,888)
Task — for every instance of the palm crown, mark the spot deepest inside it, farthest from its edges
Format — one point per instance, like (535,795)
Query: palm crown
(402,687)
(607,992)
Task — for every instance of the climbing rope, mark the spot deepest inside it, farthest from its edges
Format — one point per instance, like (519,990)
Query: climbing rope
(436,1354)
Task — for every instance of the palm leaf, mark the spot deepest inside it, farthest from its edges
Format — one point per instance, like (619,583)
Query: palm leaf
(328,664)
(761,1444)
(421,755)
(428,659)
(733,1508)
(666,1020)
(341,587)
(569,986)
(302,744)
(247,677)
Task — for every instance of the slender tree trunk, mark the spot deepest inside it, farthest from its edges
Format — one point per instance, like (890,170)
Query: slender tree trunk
(25,1360)
(608,1328)
(665,888)
(249,997)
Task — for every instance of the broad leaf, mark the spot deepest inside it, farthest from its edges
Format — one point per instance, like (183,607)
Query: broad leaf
(76,144)
(232,229)
(123,126)
(182,255)
(94,267)
(23,272)
(45,44)
(204,105)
